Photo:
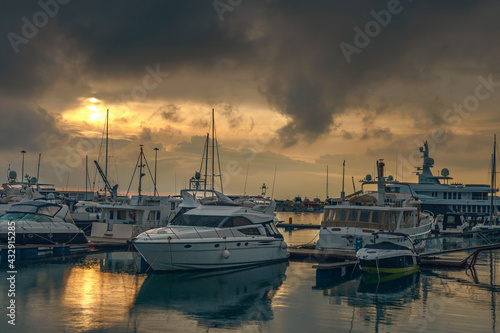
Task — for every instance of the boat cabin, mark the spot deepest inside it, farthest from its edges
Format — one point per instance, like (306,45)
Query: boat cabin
(380,218)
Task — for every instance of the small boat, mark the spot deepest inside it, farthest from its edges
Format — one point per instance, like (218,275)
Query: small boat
(217,235)
(452,224)
(388,258)
(39,222)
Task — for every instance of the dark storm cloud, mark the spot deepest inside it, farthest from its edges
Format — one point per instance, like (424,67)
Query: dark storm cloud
(170,112)
(292,47)
(24,128)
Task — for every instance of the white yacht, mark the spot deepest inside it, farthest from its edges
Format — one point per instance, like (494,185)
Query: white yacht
(359,218)
(39,222)
(440,196)
(217,235)
(85,213)
(122,222)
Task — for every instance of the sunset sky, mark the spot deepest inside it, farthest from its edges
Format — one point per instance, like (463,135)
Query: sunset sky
(295,84)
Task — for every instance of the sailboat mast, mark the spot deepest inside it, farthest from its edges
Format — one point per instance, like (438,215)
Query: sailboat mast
(246,178)
(493,178)
(106,159)
(38,169)
(213,150)
(140,174)
(327,181)
(156,164)
(342,194)
(86,175)
(206,163)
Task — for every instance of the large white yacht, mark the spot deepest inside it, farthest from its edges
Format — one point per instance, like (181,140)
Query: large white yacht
(359,218)
(440,196)
(39,222)
(216,235)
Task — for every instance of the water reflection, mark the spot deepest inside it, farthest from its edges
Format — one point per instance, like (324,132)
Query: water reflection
(223,299)
(99,292)
(390,289)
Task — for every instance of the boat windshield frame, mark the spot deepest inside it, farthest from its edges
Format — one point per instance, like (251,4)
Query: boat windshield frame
(211,221)
(50,210)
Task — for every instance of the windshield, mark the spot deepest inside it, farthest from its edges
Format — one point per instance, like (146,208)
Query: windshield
(198,221)
(25,217)
(44,210)
(23,208)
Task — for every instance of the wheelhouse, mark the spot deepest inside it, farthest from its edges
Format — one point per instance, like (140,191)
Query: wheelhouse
(375,217)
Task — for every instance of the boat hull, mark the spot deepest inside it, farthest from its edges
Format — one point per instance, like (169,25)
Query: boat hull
(366,267)
(45,238)
(204,254)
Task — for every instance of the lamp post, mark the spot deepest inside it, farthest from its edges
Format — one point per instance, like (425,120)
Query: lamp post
(22,168)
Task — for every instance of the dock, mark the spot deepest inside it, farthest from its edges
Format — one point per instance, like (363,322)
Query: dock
(35,251)
(291,226)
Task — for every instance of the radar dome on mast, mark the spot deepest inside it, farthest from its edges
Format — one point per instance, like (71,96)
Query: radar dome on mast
(12,175)
(445,172)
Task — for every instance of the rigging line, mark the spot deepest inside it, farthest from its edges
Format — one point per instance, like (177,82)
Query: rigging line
(133,175)
(220,171)
(202,157)
(147,165)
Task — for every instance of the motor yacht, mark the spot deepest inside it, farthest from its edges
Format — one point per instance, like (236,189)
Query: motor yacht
(216,235)
(39,222)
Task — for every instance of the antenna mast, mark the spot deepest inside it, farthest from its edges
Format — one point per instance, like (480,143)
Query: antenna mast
(327,182)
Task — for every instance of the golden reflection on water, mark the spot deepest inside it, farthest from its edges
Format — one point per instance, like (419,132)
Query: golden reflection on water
(96,300)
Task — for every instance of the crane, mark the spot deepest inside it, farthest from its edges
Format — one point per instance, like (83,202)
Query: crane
(112,190)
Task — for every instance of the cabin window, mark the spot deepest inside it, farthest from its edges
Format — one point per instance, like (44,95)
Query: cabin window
(89,209)
(250,231)
(229,223)
(121,215)
(152,215)
(459,195)
(390,218)
(364,216)
(454,195)
(376,217)
(342,214)
(240,221)
(407,220)
(158,215)
(49,211)
(269,230)
(353,215)
(172,205)
(111,214)
(198,221)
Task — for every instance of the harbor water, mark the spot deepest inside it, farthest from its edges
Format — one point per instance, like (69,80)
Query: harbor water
(101,292)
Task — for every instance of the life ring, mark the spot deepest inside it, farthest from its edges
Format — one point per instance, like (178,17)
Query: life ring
(3,195)
(132,215)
